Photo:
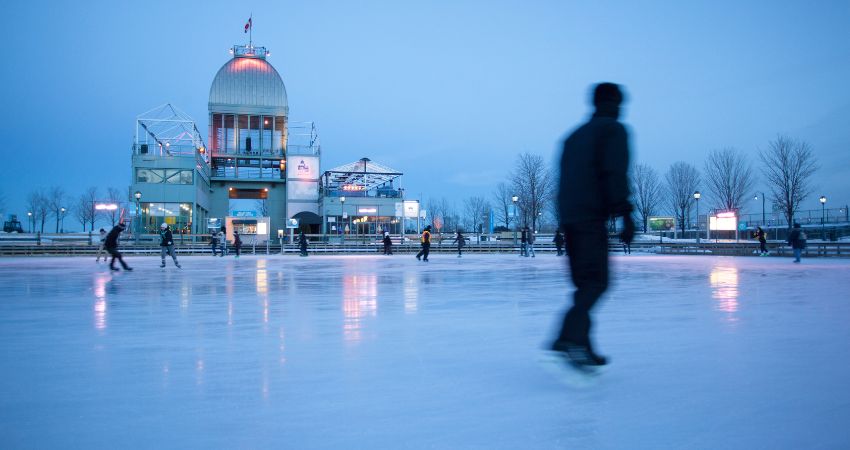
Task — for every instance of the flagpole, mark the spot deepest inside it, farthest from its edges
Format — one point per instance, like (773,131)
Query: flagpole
(251,30)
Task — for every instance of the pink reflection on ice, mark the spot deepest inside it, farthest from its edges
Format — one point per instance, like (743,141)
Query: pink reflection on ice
(359,299)
(724,285)
(100,281)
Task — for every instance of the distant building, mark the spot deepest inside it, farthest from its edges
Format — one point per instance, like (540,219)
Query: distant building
(257,171)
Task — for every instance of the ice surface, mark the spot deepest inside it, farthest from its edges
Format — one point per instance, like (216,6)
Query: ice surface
(387,352)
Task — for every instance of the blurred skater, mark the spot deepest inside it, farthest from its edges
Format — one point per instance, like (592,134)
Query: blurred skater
(388,243)
(237,242)
(302,243)
(594,186)
(762,237)
(166,244)
(797,241)
(523,242)
(529,248)
(102,249)
(559,242)
(214,242)
(111,244)
(425,241)
(222,242)
(460,241)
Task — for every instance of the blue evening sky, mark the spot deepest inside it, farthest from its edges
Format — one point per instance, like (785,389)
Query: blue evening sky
(449,92)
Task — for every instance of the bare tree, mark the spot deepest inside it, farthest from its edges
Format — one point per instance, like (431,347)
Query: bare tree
(37,204)
(533,183)
(788,166)
(475,210)
(82,211)
(262,207)
(647,192)
(682,181)
(502,196)
(450,217)
(90,196)
(55,199)
(437,217)
(729,178)
(113,195)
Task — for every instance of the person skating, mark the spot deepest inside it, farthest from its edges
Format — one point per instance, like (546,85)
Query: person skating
(559,242)
(222,242)
(102,249)
(529,248)
(593,187)
(797,241)
(237,242)
(425,241)
(302,243)
(111,244)
(460,240)
(762,237)
(166,245)
(388,243)
(214,242)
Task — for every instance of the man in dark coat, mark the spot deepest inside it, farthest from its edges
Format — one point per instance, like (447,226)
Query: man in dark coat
(388,243)
(302,243)
(760,235)
(523,242)
(166,244)
(797,241)
(460,240)
(559,242)
(237,242)
(111,244)
(594,187)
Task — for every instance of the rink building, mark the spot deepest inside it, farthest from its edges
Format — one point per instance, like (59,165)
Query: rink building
(254,171)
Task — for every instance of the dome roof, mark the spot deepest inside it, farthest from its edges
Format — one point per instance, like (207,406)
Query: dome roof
(248,85)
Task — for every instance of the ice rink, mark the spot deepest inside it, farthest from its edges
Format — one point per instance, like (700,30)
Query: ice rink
(381,352)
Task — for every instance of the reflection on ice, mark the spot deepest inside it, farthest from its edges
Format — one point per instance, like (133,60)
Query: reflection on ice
(411,292)
(724,285)
(359,299)
(100,282)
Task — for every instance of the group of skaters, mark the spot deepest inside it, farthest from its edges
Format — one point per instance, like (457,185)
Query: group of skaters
(109,244)
(218,242)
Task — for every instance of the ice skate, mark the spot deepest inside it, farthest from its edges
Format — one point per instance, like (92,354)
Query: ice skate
(162,266)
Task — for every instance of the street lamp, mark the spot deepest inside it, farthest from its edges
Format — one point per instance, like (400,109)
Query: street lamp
(30,219)
(823,217)
(697,196)
(515,199)
(62,219)
(342,215)
(138,196)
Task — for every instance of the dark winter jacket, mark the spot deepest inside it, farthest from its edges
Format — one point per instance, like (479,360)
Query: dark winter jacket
(524,236)
(760,235)
(797,238)
(237,240)
(387,241)
(302,241)
(460,240)
(112,238)
(559,239)
(165,238)
(594,181)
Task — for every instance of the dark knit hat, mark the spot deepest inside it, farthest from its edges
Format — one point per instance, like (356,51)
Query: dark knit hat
(607,93)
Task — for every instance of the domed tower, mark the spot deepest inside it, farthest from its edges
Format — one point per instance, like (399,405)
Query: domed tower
(248,138)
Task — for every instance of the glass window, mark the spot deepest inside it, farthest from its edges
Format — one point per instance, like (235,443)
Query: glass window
(216,132)
(187,176)
(149,175)
(279,135)
(229,135)
(266,136)
(172,176)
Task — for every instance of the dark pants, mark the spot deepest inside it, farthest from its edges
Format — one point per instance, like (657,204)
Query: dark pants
(388,249)
(560,249)
(762,247)
(116,255)
(238,249)
(214,248)
(303,250)
(459,250)
(587,253)
(426,248)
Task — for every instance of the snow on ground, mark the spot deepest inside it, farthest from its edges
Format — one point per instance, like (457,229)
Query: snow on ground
(387,352)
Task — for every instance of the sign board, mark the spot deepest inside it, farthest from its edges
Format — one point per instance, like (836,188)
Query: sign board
(304,168)
(362,210)
(742,226)
(724,221)
(244,213)
(662,223)
(411,209)
(331,219)
(214,223)
(292,223)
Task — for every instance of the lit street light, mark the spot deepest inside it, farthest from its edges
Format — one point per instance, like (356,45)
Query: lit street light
(62,219)
(763,221)
(515,199)
(30,219)
(823,217)
(697,196)
(342,216)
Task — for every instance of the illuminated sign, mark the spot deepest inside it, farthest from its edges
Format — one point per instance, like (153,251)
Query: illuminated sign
(662,223)
(106,206)
(723,221)
(411,209)
(367,210)
(352,187)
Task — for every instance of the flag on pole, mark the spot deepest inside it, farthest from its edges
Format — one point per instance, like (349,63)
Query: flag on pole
(248,25)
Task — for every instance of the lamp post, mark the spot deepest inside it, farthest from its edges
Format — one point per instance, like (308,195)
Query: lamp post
(30,222)
(823,217)
(138,227)
(515,199)
(342,216)
(697,196)
(763,220)
(62,219)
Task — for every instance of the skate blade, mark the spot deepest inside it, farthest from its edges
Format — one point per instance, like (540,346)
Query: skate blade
(567,372)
